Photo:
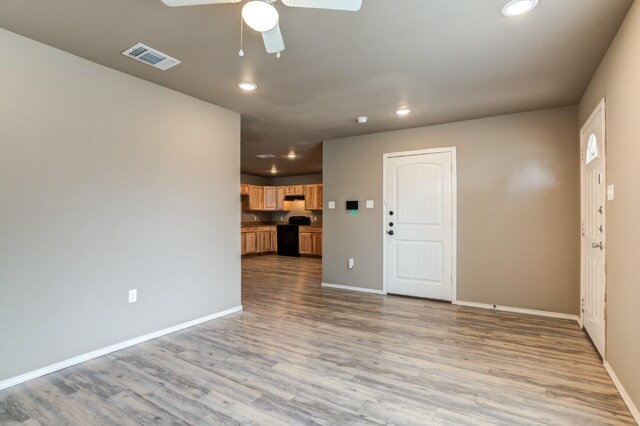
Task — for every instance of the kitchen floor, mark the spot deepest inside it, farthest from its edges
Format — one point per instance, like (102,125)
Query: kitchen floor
(301,354)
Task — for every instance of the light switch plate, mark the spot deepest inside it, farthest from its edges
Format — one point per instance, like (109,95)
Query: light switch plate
(332,205)
(369,204)
(610,193)
(133,295)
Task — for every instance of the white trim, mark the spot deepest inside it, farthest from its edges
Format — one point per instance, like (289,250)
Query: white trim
(519,310)
(454,212)
(623,393)
(107,350)
(351,288)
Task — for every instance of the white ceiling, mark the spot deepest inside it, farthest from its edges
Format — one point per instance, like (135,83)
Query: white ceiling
(448,60)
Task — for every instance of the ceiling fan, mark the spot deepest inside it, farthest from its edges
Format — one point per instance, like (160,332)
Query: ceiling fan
(262,16)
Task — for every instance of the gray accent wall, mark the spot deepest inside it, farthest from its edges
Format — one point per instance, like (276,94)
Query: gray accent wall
(518,207)
(107,183)
(618,80)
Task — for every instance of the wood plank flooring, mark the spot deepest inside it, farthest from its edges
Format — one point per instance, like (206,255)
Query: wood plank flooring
(300,354)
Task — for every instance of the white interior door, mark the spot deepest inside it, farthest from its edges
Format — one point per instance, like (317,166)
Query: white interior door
(592,141)
(419,225)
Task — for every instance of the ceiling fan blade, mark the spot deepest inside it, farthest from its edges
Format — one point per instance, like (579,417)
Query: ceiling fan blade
(273,41)
(350,5)
(196,2)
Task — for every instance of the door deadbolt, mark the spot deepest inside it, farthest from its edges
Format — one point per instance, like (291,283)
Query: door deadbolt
(390,223)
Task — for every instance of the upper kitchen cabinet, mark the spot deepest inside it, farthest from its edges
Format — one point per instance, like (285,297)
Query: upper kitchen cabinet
(313,197)
(244,189)
(264,198)
(295,190)
(270,200)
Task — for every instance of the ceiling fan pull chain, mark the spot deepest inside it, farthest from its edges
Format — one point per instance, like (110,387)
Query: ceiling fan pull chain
(241,52)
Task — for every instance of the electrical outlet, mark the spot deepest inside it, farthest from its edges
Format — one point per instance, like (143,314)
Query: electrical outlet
(351,262)
(133,295)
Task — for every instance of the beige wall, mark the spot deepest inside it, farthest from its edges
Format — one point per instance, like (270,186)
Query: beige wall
(618,80)
(107,183)
(518,207)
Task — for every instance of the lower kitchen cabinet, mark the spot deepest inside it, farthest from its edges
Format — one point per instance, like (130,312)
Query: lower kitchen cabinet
(305,243)
(249,242)
(264,241)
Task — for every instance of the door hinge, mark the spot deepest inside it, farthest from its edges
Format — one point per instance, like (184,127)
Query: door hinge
(599,179)
(582,229)
(582,154)
(582,305)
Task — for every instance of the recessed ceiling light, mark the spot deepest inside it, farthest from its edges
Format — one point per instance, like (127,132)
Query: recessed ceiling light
(403,111)
(518,7)
(362,119)
(274,171)
(292,155)
(247,86)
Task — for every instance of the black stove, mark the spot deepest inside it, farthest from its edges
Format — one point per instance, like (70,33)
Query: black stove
(288,236)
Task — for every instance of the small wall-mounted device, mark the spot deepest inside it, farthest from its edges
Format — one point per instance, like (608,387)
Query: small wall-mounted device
(352,205)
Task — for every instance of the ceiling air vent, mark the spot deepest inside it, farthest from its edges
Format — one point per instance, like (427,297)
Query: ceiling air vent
(265,156)
(151,57)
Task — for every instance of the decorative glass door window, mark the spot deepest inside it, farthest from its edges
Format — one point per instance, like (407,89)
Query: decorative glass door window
(592,149)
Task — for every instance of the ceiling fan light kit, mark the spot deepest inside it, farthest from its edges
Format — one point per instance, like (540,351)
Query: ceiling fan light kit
(260,15)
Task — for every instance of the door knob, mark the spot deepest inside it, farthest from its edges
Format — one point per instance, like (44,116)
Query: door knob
(600,246)
(390,232)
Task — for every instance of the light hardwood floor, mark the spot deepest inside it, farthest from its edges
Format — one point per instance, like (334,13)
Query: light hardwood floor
(300,354)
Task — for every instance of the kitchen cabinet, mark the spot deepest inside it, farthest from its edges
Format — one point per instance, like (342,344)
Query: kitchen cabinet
(270,198)
(249,243)
(305,243)
(313,197)
(256,197)
(295,190)
(281,204)
(274,240)
(264,198)
(263,235)
(310,240)
(316,244)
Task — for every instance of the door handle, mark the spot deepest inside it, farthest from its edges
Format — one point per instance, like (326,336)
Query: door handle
(390,232)
(600,246)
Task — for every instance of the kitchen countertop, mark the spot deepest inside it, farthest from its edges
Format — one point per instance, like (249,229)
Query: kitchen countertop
(313,225)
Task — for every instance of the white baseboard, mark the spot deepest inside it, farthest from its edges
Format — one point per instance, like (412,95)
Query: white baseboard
(623,393)
(519,310)
(104,351)
(350,288)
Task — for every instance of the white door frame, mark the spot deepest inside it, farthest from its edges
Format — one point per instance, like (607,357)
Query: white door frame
(454,213)
(601,107)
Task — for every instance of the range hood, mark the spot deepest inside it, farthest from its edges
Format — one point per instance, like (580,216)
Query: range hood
(293,197)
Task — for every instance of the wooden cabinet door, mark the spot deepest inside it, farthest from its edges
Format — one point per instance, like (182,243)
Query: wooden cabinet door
(281,204)
(290,190)
(319,197)
(316,244)
(250,243)
(264,242)
(274,241)
(270,200)
(244,189)
(256,197)
(309,197)
(305,243)
(298,190)
(242,244)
